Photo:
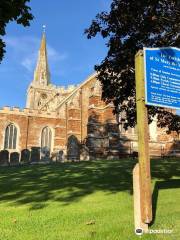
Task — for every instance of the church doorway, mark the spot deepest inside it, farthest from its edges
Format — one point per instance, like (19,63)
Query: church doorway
(73,148)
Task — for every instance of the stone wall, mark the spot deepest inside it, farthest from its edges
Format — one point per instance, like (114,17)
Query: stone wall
(29,124)
(83,116)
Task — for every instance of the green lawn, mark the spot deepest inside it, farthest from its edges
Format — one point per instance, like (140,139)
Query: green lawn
(86,200)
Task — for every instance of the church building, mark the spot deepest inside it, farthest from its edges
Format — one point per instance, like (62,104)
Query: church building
(73,123)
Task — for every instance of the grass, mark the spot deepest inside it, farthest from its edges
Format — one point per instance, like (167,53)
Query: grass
(86,200)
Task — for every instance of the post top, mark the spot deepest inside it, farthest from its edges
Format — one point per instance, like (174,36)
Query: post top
(139,53)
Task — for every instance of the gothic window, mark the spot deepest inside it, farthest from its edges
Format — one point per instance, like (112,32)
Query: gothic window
(97,88)
(42,99)
(39,103)
(10,137)
(43,95)
(46,138)
(122,130)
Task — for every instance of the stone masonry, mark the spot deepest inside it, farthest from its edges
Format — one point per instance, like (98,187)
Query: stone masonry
(68,123)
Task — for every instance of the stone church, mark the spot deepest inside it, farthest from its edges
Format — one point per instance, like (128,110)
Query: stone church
(73,123)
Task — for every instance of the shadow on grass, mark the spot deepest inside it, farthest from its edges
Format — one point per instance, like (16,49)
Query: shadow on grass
(69,182)
(63,182)
(159,185)
(164,170)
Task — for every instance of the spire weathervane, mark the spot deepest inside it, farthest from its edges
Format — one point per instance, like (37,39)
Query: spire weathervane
(44,28)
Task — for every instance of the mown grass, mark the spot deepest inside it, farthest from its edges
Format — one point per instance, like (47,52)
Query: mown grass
(85,200)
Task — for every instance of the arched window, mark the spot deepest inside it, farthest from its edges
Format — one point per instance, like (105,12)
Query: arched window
(46,138)
(10,137)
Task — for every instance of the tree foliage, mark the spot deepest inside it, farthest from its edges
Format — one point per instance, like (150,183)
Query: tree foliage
(129,26)
(13,10)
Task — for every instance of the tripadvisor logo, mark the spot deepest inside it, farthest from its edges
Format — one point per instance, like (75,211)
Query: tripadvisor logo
(138,231)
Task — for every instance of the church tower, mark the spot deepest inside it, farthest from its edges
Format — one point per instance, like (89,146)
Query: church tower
(39,90)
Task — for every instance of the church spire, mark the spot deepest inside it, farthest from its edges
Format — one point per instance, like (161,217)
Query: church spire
(41,73)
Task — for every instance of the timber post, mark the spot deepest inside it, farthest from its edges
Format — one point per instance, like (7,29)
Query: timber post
(143,142)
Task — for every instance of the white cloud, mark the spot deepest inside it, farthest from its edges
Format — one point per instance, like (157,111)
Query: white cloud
(21,44)
(29,62)
(53,55)
(25,51)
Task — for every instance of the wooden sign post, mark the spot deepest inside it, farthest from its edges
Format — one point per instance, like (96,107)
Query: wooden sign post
(143,144)
(152,66)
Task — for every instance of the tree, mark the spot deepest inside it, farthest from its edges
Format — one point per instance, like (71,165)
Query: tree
(129,26)
(13,10)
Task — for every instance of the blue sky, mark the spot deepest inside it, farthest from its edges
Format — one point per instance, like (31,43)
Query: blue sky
(71,55)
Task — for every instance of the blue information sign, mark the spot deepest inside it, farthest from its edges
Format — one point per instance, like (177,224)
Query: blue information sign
(162,77)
